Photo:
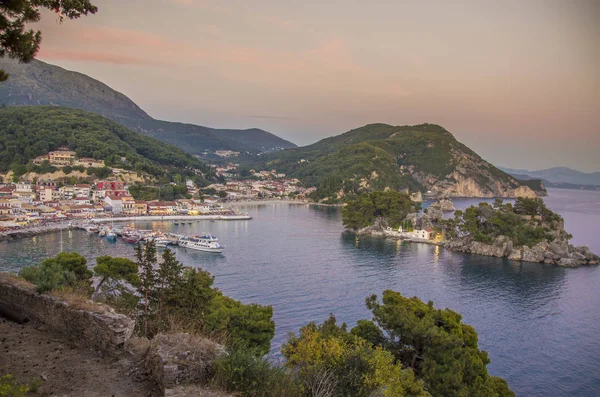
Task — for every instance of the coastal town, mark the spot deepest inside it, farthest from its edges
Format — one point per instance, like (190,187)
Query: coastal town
(39,200)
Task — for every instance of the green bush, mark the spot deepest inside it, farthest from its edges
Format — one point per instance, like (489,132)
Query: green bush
(48,276)
(10,388)
(245,372)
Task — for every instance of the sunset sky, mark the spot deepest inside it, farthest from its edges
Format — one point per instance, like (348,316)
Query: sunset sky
(517,81)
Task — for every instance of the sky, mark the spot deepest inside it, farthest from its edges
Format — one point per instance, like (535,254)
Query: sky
(517,81)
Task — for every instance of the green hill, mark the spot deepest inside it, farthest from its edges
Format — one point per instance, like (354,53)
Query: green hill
(30,131)
(39,83)
(424,158)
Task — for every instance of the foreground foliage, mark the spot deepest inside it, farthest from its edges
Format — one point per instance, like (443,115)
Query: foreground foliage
(366,208)
(16,16)
(436,345)
(174,296)
(65,270)
(10,388)
(409,348)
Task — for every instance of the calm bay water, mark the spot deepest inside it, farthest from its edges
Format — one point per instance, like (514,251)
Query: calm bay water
(538,322)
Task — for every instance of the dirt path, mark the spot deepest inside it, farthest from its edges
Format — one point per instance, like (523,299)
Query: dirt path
(30,352)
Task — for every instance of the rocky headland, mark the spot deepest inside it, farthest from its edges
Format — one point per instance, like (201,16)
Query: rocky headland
(527,231)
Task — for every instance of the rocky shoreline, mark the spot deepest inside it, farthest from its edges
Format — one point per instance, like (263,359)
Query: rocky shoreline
(561,254)
(32,231)
(557,252)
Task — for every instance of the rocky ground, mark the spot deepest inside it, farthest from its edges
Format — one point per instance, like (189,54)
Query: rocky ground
(557,252)
(31,352)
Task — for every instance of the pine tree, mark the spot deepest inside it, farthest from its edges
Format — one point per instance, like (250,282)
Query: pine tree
(15,15)
(169,276)
(146,261)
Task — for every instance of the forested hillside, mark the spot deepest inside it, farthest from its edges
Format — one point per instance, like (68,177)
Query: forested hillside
(30,131)
(421,158)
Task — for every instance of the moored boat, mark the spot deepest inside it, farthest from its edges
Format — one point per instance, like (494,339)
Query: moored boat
(131,238)
(111,237)
(90,228)
(201,243)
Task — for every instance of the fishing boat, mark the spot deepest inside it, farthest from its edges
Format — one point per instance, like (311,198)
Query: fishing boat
(131,238)
(201,243)
(111,237)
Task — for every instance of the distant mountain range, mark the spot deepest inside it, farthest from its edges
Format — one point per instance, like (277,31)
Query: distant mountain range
(560,177)
(421,158)
(39,83)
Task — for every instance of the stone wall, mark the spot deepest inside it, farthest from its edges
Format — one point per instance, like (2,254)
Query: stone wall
(98,326)
(181,359)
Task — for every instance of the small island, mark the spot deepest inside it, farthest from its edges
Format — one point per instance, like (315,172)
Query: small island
(526,231)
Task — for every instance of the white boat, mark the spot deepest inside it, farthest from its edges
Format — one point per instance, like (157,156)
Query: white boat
(201,243)
(91,228)
(207,236)
(161,242)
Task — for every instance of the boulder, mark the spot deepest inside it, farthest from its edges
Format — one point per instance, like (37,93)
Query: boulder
(516,255)
(446,205)
(499,248)
(568,262)
(425,222)
(435,214)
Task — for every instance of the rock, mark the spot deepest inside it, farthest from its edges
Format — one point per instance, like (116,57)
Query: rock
(568,262)
(181,359)
(532,255)
(446,205)
(516,255)
(412,217)
(425,222)
(417,197)
(435,214)
(499,248)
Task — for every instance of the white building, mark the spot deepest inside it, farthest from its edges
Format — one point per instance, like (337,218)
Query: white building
(24,187)
(115,203)
(81,190)
(422,234)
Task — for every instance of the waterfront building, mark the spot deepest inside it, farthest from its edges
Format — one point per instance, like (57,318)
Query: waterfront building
(141,207)
(115,203)
(162,207)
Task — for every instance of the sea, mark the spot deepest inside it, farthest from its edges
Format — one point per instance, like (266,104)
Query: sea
(539,323)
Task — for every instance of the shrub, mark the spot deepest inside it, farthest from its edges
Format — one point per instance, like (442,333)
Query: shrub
(10,388)
(48,276)
(244,372)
